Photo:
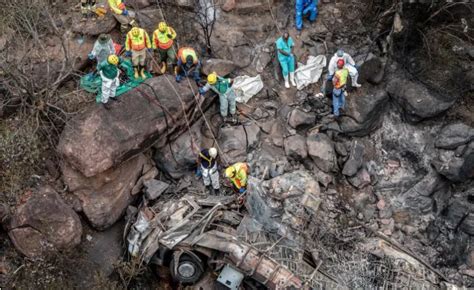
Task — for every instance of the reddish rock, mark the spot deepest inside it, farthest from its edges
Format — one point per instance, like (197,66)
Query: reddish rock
(106,196)
(97,140)
(44,222)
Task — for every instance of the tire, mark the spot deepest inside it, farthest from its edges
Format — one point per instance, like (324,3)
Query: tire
(189,271)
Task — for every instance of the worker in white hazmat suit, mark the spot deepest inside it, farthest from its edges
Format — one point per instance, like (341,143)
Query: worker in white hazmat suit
(348,63)
(210,174)
(109,73)
(103,47)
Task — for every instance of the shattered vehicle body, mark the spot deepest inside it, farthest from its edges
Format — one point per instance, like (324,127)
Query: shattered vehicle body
(269,244)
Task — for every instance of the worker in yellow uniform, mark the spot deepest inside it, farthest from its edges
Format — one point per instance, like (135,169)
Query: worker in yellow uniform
(237,174)
(136,45)
(124,16)
(188,65)
(339,92)
(163,42)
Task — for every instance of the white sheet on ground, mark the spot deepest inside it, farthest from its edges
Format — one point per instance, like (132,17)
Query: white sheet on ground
(246,87)
(310,72)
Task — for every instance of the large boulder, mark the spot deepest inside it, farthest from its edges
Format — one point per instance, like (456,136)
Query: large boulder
(179,157)
(321,151)
(373,70)
(356,159)
(364,111)
(92,28)
(99,139)
(43,223)
(233,142)
(106,196)
(454,135)
(221,66)
(416,100)
(297,118)
(295,147)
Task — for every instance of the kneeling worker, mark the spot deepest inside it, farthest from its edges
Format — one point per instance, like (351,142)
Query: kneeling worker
(237,174)
(222,87)
(210,174)
(188,64)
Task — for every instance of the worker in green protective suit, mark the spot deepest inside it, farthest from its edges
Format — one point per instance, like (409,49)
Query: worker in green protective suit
(227,97)
(109,72)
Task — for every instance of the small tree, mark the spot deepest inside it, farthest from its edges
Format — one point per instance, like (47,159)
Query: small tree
(205,14)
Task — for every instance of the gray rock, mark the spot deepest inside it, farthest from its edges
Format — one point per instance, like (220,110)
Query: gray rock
(340,149)
(457,211)
(322,177)
(468,224)
(252,133)
(221,66)
(263,59)
(138,4)
(361,179)
(417,102)
(321,151)
(154,188)
(356,158)
(295,147)
(456,169)
(298,118)
(454,135)
(364,112)
(277,134)
(418,197)
(233,141)
(372,70)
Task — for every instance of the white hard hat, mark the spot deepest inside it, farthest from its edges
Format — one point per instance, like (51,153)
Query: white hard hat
(213,152)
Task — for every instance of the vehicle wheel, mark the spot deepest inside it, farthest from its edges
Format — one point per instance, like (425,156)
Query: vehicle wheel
(189,271)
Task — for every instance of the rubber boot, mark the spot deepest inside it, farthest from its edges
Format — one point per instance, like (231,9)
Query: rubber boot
(142,72)
(216,191)
(135,69)
(287,84)
(211,190)
(354,81)
(292,79)
(106,106)
(163,67)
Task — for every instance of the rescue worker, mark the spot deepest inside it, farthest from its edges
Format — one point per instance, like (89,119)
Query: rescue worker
(163,41)
(227,97)
(87,7)
(103,47)
(339,91)
(286,58)
(304,7)
(237,174)
(109,74)
(210,175)
(348,63)
(124,16)
(136,45)
(188,64)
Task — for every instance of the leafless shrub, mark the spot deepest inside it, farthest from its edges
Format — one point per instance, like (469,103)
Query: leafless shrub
(205,15)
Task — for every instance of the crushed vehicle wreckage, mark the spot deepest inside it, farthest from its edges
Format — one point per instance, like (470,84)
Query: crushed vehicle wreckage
(264,246)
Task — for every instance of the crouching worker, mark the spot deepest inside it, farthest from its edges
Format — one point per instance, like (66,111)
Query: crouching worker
(210,175)
(109,74)
(339,91)
(188,65)
(237,174)
(227,97)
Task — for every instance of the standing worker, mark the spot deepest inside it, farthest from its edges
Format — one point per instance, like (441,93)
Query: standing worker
(227,97)
(237,174)
(87,7)
(163,41)
(210,174)
(136,45)
(286,58)
(188,64)
(109,73)
(124,16)
(103,47)
(339,91)
(304,7)
(348,63)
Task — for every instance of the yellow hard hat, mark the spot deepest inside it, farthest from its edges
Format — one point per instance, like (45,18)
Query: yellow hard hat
(113,59)
(212,78)
(230,172)
(162,26)
(135,31)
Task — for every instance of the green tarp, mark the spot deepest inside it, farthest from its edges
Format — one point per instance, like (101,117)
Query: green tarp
(92,82)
